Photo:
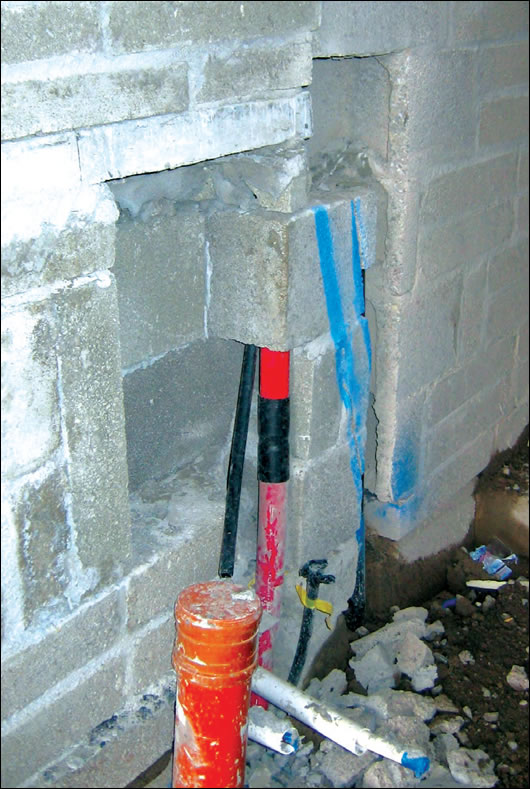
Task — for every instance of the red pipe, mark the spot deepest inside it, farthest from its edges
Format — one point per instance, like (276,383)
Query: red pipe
(273,473)
(215,655)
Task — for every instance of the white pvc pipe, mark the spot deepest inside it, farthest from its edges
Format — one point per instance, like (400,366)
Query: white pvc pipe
(331,723)
(268,730)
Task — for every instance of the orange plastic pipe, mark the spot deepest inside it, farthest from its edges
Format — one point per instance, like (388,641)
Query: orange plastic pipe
(215,655)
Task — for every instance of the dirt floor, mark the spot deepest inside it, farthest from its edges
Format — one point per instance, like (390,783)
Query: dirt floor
(494,632)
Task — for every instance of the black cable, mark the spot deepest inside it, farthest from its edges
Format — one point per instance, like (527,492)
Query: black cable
(237,459)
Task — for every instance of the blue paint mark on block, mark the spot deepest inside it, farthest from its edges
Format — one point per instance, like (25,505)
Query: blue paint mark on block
(404,468)
(352,379)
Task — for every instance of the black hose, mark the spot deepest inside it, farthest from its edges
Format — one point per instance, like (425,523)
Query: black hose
(235,464)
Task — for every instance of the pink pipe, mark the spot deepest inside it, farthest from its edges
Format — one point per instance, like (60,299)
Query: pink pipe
(273,473)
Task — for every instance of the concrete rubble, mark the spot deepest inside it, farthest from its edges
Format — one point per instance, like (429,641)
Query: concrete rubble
(422,724)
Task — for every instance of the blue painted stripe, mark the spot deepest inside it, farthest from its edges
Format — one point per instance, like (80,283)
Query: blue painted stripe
(353,390)
(358,287)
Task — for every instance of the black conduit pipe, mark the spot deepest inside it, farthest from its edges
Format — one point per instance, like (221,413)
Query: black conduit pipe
(235,464)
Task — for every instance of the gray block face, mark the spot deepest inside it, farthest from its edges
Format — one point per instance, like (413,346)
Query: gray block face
(253,256)
(255,71)
(429,321)
(92,410)
(65,720)
(43,533)
(28,674)
(161,26)
(472,313)
(160,275)
(78,247)
(323,510)
(502,66)
(507,308)
(316,406)
(151,661)
(179,407)
(504,120)
(266,284)
(468,189)
(80,100)
(26,30)
(440,91)
(30,400)
(444,248)
(350,105)
(360,28)
(186,552)
(456,388)
(484,21)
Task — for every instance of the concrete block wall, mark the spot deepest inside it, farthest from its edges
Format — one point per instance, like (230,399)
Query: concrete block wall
(448,307)
(159,159)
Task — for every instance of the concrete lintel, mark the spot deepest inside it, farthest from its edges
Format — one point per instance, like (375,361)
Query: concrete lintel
(167,141)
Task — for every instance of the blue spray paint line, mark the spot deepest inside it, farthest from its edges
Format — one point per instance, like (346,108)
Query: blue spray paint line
(352,388)
(358,287)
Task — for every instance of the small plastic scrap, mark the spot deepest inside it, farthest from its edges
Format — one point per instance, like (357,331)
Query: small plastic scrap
(493,564)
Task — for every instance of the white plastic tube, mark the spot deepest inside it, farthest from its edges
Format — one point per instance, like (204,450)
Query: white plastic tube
(268,730)
(331,723)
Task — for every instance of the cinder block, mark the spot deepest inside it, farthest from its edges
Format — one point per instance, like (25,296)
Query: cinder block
(261,266)
(521,383)
(323,506)
(81,243)
(89,382)
(461,191)
(509,428)
(502,66)
(507,266)
(487,368)
(361,28)
(30,404)
(161,143)
(447,527)
(442,248)
(138,738)
(151,658)
(361,121)
(522,215)
(277,179)
(189,554)
(472,313)
(507,309)
(316,406)
(522,174)
(61,722)
(504,120)
(89,99)
(429,320)
(40,519)
(487,21)
(474,417)
(160,275)
(90,632)
(522,345)
(31,31)
(255,70)
(159,26)
(421,122)
(459,470)
(184,402)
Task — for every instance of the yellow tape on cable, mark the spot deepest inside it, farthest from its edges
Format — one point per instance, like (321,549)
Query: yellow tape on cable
(318,604)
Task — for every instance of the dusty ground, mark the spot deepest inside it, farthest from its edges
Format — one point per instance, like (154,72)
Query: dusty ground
(496,636)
